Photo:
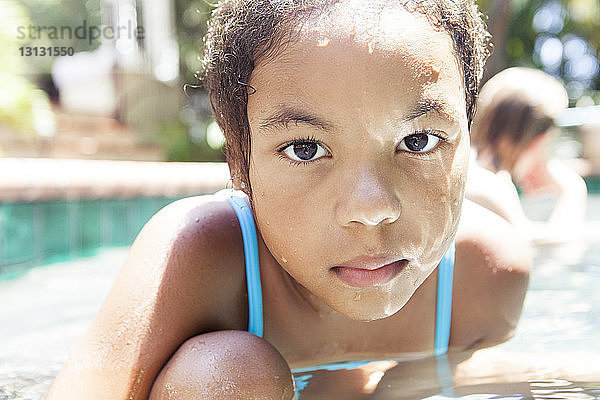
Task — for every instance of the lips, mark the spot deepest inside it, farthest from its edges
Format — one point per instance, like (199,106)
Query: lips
(359,273)
(369,262)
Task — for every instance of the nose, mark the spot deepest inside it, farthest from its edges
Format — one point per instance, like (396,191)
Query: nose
(367,199)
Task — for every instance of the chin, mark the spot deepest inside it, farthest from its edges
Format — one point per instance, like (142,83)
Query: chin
(370,311)
(371,315)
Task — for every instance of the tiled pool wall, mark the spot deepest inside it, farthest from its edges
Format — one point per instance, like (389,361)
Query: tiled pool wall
(33,233)
(59,209)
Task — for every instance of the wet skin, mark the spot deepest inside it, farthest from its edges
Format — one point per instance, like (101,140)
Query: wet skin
(358,99)
(383,112)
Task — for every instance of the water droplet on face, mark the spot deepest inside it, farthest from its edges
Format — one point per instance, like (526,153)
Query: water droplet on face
(371,47)
(323,42)
(171,390)
(197,220)
(283,259)
(356,297)
(388,309)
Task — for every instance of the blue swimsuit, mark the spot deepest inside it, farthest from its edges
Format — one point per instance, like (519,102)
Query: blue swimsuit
(255,316)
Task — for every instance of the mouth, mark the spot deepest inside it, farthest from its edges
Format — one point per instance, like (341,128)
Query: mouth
(369,276)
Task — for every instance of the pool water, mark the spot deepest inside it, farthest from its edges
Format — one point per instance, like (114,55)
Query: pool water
(42,315)
(555,353)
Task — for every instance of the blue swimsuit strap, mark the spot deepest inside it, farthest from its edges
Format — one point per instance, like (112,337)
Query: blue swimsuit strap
(255,306)
(443,312)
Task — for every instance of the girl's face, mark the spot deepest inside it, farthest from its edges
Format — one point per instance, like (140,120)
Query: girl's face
(359,156)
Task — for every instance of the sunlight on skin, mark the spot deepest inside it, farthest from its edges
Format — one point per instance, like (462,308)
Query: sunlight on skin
(331,195)
(497,366)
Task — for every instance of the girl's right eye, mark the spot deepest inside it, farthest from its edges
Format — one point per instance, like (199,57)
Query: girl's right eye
(304,151)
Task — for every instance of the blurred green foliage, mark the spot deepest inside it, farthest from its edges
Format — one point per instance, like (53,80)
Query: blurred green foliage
(192,17)
(18,97)
(529,24)
(179,145)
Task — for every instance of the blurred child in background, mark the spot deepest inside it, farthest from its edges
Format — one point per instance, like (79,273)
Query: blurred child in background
(512,134)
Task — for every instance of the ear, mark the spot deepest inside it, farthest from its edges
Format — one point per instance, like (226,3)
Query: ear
(539,143)
(537,149)
(239,184)
(234,174)
(237,180)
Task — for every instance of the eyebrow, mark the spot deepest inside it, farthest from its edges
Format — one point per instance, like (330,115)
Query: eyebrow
(424,106)
(283,117)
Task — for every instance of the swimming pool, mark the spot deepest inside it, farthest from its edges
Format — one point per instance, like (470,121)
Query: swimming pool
(555,353)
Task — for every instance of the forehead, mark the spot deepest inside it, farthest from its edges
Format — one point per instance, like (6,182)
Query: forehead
(376,25)
(366,58)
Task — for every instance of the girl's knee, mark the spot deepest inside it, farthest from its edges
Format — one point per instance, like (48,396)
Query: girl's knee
(225,365)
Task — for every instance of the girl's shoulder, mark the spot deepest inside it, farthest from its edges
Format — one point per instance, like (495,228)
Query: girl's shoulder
(493,261)
(198,250)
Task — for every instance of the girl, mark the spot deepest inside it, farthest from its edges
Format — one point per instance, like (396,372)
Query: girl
(347,127)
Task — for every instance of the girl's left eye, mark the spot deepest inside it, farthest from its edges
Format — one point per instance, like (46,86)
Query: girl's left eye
(420,142)
(304,151)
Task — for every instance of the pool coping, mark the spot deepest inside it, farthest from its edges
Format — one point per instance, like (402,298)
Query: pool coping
(42,179)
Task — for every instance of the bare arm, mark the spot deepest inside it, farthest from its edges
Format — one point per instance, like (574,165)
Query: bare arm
(493,261)
(161,297)
(497,193)
(570,207)
(225,365)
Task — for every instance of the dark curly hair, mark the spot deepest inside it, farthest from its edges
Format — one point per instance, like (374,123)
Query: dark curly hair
(242,32)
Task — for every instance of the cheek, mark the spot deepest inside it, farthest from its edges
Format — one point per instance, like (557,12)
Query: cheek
(453,189)
(458,173)
(289,224)
(436,208)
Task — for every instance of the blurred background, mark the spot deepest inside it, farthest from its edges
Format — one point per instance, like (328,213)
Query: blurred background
(119,96)
(119,80)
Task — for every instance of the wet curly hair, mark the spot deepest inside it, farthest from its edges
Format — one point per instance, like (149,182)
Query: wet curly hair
(243,32)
